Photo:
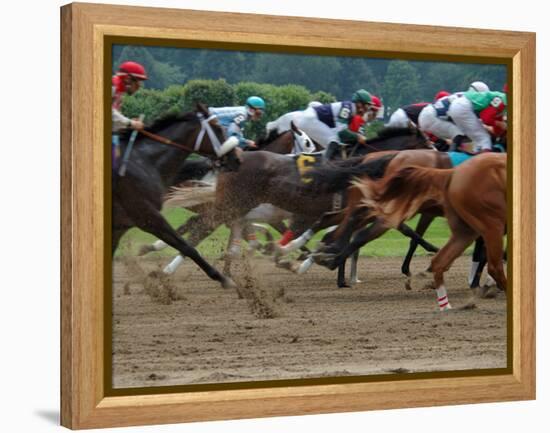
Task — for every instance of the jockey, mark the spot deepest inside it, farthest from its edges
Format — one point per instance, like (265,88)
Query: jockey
(234,119)
(328,124)
(478,86)
(376,110)
(434,119)
(358,123)
(476,112)
(127,80)
(405,116)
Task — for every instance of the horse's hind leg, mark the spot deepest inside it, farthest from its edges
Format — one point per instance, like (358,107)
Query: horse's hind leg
(150,220)
(494,248)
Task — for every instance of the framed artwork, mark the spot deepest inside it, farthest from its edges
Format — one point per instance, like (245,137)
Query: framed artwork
(217,169)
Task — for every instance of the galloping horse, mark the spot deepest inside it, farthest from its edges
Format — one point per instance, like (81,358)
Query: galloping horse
(154,165)
(473,196)
(292,141)
(337,247)
(338,176)
(265,177)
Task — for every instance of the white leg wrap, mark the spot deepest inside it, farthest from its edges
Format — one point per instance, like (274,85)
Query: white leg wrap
(442,299)
(353,271)
(298,242)
(173,265)
(306,264)
(159,245)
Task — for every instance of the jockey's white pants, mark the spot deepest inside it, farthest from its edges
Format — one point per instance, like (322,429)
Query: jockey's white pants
(429,122)
(320,132)
(282,124)
(462,113)
(398,119)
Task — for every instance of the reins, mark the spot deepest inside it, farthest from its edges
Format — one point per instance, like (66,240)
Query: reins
(165,140)
(206,129)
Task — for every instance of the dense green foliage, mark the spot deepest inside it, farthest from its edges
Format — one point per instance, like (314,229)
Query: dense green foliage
(398,82)
(218,93)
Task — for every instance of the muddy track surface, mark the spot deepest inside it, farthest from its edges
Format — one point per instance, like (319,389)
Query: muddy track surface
(188,330)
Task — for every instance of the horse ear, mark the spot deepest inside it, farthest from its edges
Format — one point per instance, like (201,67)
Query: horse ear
(201,108)
(295,128)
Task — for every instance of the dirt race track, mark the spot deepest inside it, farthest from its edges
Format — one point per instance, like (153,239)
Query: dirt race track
(286,326)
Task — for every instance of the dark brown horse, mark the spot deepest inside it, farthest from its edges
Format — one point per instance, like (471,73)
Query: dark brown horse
(265,177)
(473,196)
(155,166)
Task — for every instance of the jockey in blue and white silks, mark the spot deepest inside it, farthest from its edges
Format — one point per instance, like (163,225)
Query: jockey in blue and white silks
(234,119)
(328,124)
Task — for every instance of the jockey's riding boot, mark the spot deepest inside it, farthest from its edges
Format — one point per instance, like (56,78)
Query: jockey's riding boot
(332,149)
(457,143)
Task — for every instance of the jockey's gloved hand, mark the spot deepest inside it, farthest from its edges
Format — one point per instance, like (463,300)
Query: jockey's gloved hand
(136,124)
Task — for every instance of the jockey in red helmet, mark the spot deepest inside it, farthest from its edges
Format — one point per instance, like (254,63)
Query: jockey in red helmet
(376,109)
(127,80)
(441,94)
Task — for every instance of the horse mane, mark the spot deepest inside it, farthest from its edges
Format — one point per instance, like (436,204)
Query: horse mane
(391,132)
(167,120)
(398,197)
(163,122)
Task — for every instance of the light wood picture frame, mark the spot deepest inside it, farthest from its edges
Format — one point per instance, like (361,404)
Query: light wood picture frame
(85,28)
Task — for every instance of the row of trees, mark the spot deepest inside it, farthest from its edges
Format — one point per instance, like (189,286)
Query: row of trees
(398,82)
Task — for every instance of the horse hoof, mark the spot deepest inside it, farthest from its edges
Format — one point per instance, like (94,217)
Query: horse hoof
(487,292)
(228,283)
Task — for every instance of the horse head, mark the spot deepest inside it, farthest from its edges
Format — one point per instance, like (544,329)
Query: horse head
(302,142)
(211,139)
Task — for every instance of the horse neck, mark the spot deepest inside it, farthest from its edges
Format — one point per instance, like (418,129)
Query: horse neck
(166,159)
(283,144)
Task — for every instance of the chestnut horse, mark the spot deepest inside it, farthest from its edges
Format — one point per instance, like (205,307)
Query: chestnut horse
(473,197)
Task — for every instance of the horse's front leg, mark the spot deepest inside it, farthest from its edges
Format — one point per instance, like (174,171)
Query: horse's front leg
(149,219)
(423,224)
(455,246)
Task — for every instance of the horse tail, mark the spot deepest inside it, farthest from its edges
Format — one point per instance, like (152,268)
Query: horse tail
(399,196)
(191,194)
(338,175)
